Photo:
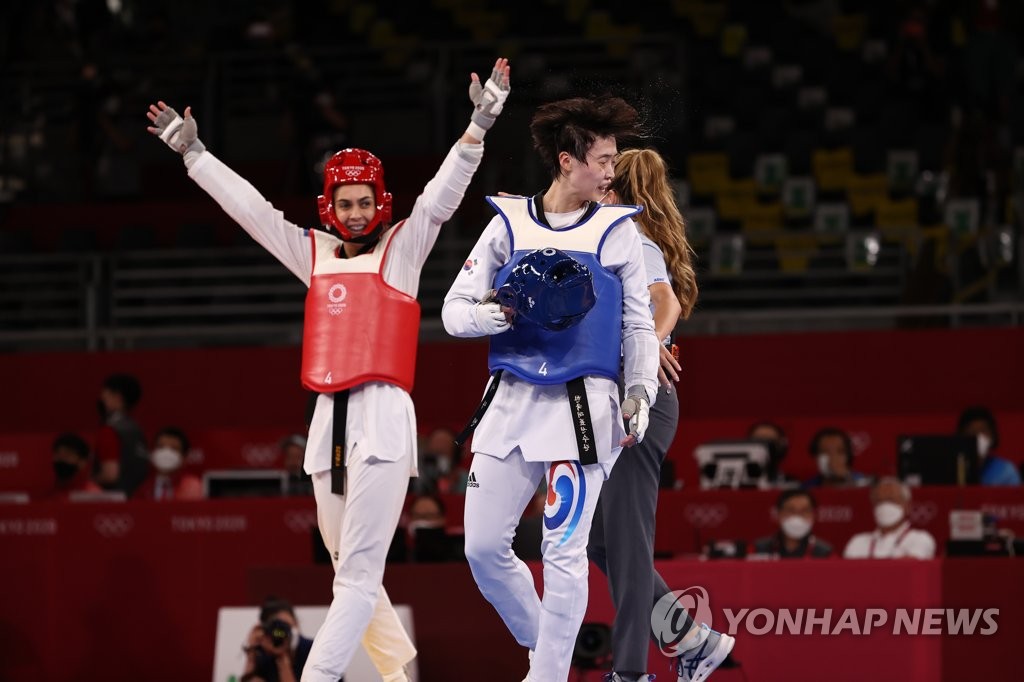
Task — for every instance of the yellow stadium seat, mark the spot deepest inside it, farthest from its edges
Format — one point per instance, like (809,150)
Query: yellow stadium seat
(733,199)
(901,213)
(734,38)
(849,31)
(832,168)
(866,192)
(795,251)
(762,217)
(707,18)
(360,16)
(708,173)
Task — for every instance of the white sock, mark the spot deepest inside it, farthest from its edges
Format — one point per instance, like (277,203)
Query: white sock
(694,638)
(397,676)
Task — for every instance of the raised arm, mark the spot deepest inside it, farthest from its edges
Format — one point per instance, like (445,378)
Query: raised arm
(443,194)
(283,239)
(488,100)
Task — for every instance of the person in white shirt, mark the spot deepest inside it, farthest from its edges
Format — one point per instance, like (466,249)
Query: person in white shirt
(893,538)
(622,534)
(552,405)
(359,347)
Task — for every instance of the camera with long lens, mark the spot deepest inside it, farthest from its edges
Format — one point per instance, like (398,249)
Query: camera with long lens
(278,631)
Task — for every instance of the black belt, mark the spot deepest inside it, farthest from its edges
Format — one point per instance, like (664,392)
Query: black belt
(582,424)
(338,442)
(481,408)
(339,421)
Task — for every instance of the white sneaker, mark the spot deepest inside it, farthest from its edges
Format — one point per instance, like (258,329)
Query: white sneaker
(699,662)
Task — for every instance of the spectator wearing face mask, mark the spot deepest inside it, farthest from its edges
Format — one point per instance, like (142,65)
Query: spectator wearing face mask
(71,468)
(978,421)
(169,480)
(893,538)
(833,450)
(796,510)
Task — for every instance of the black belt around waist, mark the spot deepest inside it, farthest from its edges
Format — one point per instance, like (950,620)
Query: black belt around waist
(338,442)
(582,423)
(338,422)
(492,388)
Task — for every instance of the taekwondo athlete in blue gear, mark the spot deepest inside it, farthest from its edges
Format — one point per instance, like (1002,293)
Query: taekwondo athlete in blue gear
(543,352)
(526,429)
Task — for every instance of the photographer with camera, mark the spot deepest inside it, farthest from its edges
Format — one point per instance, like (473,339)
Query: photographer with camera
(275,650)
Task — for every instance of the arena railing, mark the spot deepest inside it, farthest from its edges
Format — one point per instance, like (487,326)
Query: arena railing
(242,296)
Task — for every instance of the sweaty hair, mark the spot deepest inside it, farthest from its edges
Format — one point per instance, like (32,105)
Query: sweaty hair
(641,177)
(572,125)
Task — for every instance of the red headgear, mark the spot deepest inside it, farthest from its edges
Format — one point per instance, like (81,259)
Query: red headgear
(355,167)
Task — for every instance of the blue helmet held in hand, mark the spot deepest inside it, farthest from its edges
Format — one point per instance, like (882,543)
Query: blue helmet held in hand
(549,288)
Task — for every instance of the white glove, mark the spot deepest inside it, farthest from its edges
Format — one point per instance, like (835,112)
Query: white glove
(180,134)
(488,99)
(636,409)
(490,318)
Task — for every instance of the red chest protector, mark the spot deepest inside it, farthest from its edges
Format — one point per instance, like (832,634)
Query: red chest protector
(357,327)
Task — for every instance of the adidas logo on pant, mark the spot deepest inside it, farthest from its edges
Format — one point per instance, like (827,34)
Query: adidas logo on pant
(471,483)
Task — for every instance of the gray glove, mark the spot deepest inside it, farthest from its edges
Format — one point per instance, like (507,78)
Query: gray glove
(489,98)
(180,134)
(636,409)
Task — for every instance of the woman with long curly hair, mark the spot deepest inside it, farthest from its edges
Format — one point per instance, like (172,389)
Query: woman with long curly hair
(622,534)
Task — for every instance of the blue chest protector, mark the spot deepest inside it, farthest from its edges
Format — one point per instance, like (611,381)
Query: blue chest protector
(592,347)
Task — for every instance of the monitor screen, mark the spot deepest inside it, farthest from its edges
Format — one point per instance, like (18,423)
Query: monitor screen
(938,460)
(245,483)
(733,464)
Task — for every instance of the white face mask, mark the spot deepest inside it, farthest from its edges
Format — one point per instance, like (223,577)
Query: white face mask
(888,514)
(796,527)
(166,459)
(984,443)
(823,467)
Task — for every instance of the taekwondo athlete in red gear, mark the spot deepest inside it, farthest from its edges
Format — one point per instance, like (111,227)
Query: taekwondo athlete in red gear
(551,409)
(363,274)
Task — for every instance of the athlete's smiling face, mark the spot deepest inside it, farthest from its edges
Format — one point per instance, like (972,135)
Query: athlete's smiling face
(591,178)
(354,206)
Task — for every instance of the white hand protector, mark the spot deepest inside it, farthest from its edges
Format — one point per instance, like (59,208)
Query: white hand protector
(489,98)
(636,409)
(180,134)
(490,318)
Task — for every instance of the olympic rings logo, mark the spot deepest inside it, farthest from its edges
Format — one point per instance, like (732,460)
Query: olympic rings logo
(922,513)
(706,515)
(300,520)
(113,525)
